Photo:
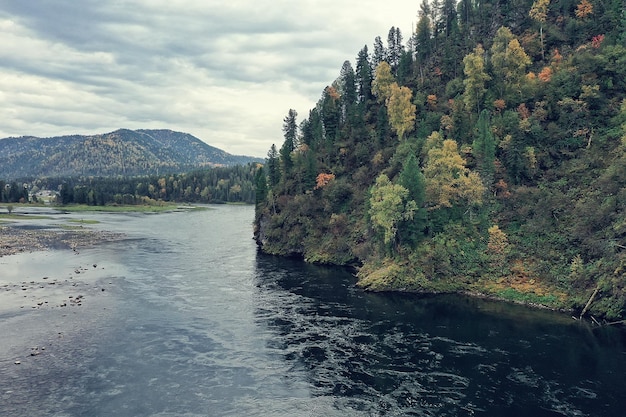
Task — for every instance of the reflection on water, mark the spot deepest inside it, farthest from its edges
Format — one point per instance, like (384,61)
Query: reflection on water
(194,322)
(445,355)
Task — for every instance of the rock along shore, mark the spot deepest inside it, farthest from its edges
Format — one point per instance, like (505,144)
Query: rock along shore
(15,240)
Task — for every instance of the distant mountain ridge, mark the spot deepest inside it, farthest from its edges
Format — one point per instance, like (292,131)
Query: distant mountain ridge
(122,152)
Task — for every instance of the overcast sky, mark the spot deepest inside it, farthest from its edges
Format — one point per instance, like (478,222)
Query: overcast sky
(225,71)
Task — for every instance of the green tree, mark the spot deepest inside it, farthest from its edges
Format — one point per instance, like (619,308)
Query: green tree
(290,130)
(412,178)
(347,89)
(363,76)
(475,78)
(261,186)
(484,148)
(273,166)
(394,48)
(422,39)
(380,53)
(539,12)
(389,205)
(508,62)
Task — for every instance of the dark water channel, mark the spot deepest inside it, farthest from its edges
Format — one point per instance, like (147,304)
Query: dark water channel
(184,318)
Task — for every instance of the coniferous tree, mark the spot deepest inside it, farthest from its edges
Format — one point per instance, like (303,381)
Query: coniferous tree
(412,178)
(484,148)
(423,34)
(290,130)
(347,84)
(394,48)
(380,53)
(273,166)
(261,186)
(363,76)
(330,111)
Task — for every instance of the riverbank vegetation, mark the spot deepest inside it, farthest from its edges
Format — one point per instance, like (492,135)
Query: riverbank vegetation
(233,184)
(486,154)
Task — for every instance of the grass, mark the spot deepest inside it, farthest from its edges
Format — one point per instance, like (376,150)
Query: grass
(119,209)
(18,216)
(82,221)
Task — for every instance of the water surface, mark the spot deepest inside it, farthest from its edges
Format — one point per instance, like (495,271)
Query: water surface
(183,317)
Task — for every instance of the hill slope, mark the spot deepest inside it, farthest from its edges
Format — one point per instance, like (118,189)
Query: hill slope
(123,152)
(487,155)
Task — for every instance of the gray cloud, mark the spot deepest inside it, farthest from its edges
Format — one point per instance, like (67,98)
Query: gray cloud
(226,73)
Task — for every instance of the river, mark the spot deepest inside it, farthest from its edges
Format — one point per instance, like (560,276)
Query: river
(182,317)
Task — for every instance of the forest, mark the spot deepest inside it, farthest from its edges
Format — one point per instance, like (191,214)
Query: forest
(486,154)
(235,184)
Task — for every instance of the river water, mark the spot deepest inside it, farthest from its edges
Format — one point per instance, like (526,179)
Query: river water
(183,317)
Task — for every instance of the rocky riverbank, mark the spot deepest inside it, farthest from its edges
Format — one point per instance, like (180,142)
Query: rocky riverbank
(50,284)
(14,240)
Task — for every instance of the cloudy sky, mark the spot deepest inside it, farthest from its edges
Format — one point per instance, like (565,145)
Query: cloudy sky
(225,71)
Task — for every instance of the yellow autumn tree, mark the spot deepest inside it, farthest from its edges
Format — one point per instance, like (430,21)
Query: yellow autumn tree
(584,9)
(401,110)
(381,86)
(498,247)
(448,180)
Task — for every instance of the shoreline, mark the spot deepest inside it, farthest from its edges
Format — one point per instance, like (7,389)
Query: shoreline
(16,240)
(32,275)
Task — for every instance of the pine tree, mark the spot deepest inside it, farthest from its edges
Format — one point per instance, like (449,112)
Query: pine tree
(484,148)
(394,48)
(290,130)
(380,53)
(347,85)
(261,186)
(273,166)
(412,178)
(423,35)
(363,76)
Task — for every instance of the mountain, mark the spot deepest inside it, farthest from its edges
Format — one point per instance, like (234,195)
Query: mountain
(122,152)
(487,155)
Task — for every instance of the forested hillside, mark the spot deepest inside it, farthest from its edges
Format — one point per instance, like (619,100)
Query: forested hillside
(212,185)
(123,152)
(485,153)
(234,184)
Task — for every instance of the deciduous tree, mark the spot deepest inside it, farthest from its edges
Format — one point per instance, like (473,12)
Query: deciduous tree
(498,248)
(508,62)
(448,180)
(389,205)
(381,87)
(475,78)
(401,110)
(539,13)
